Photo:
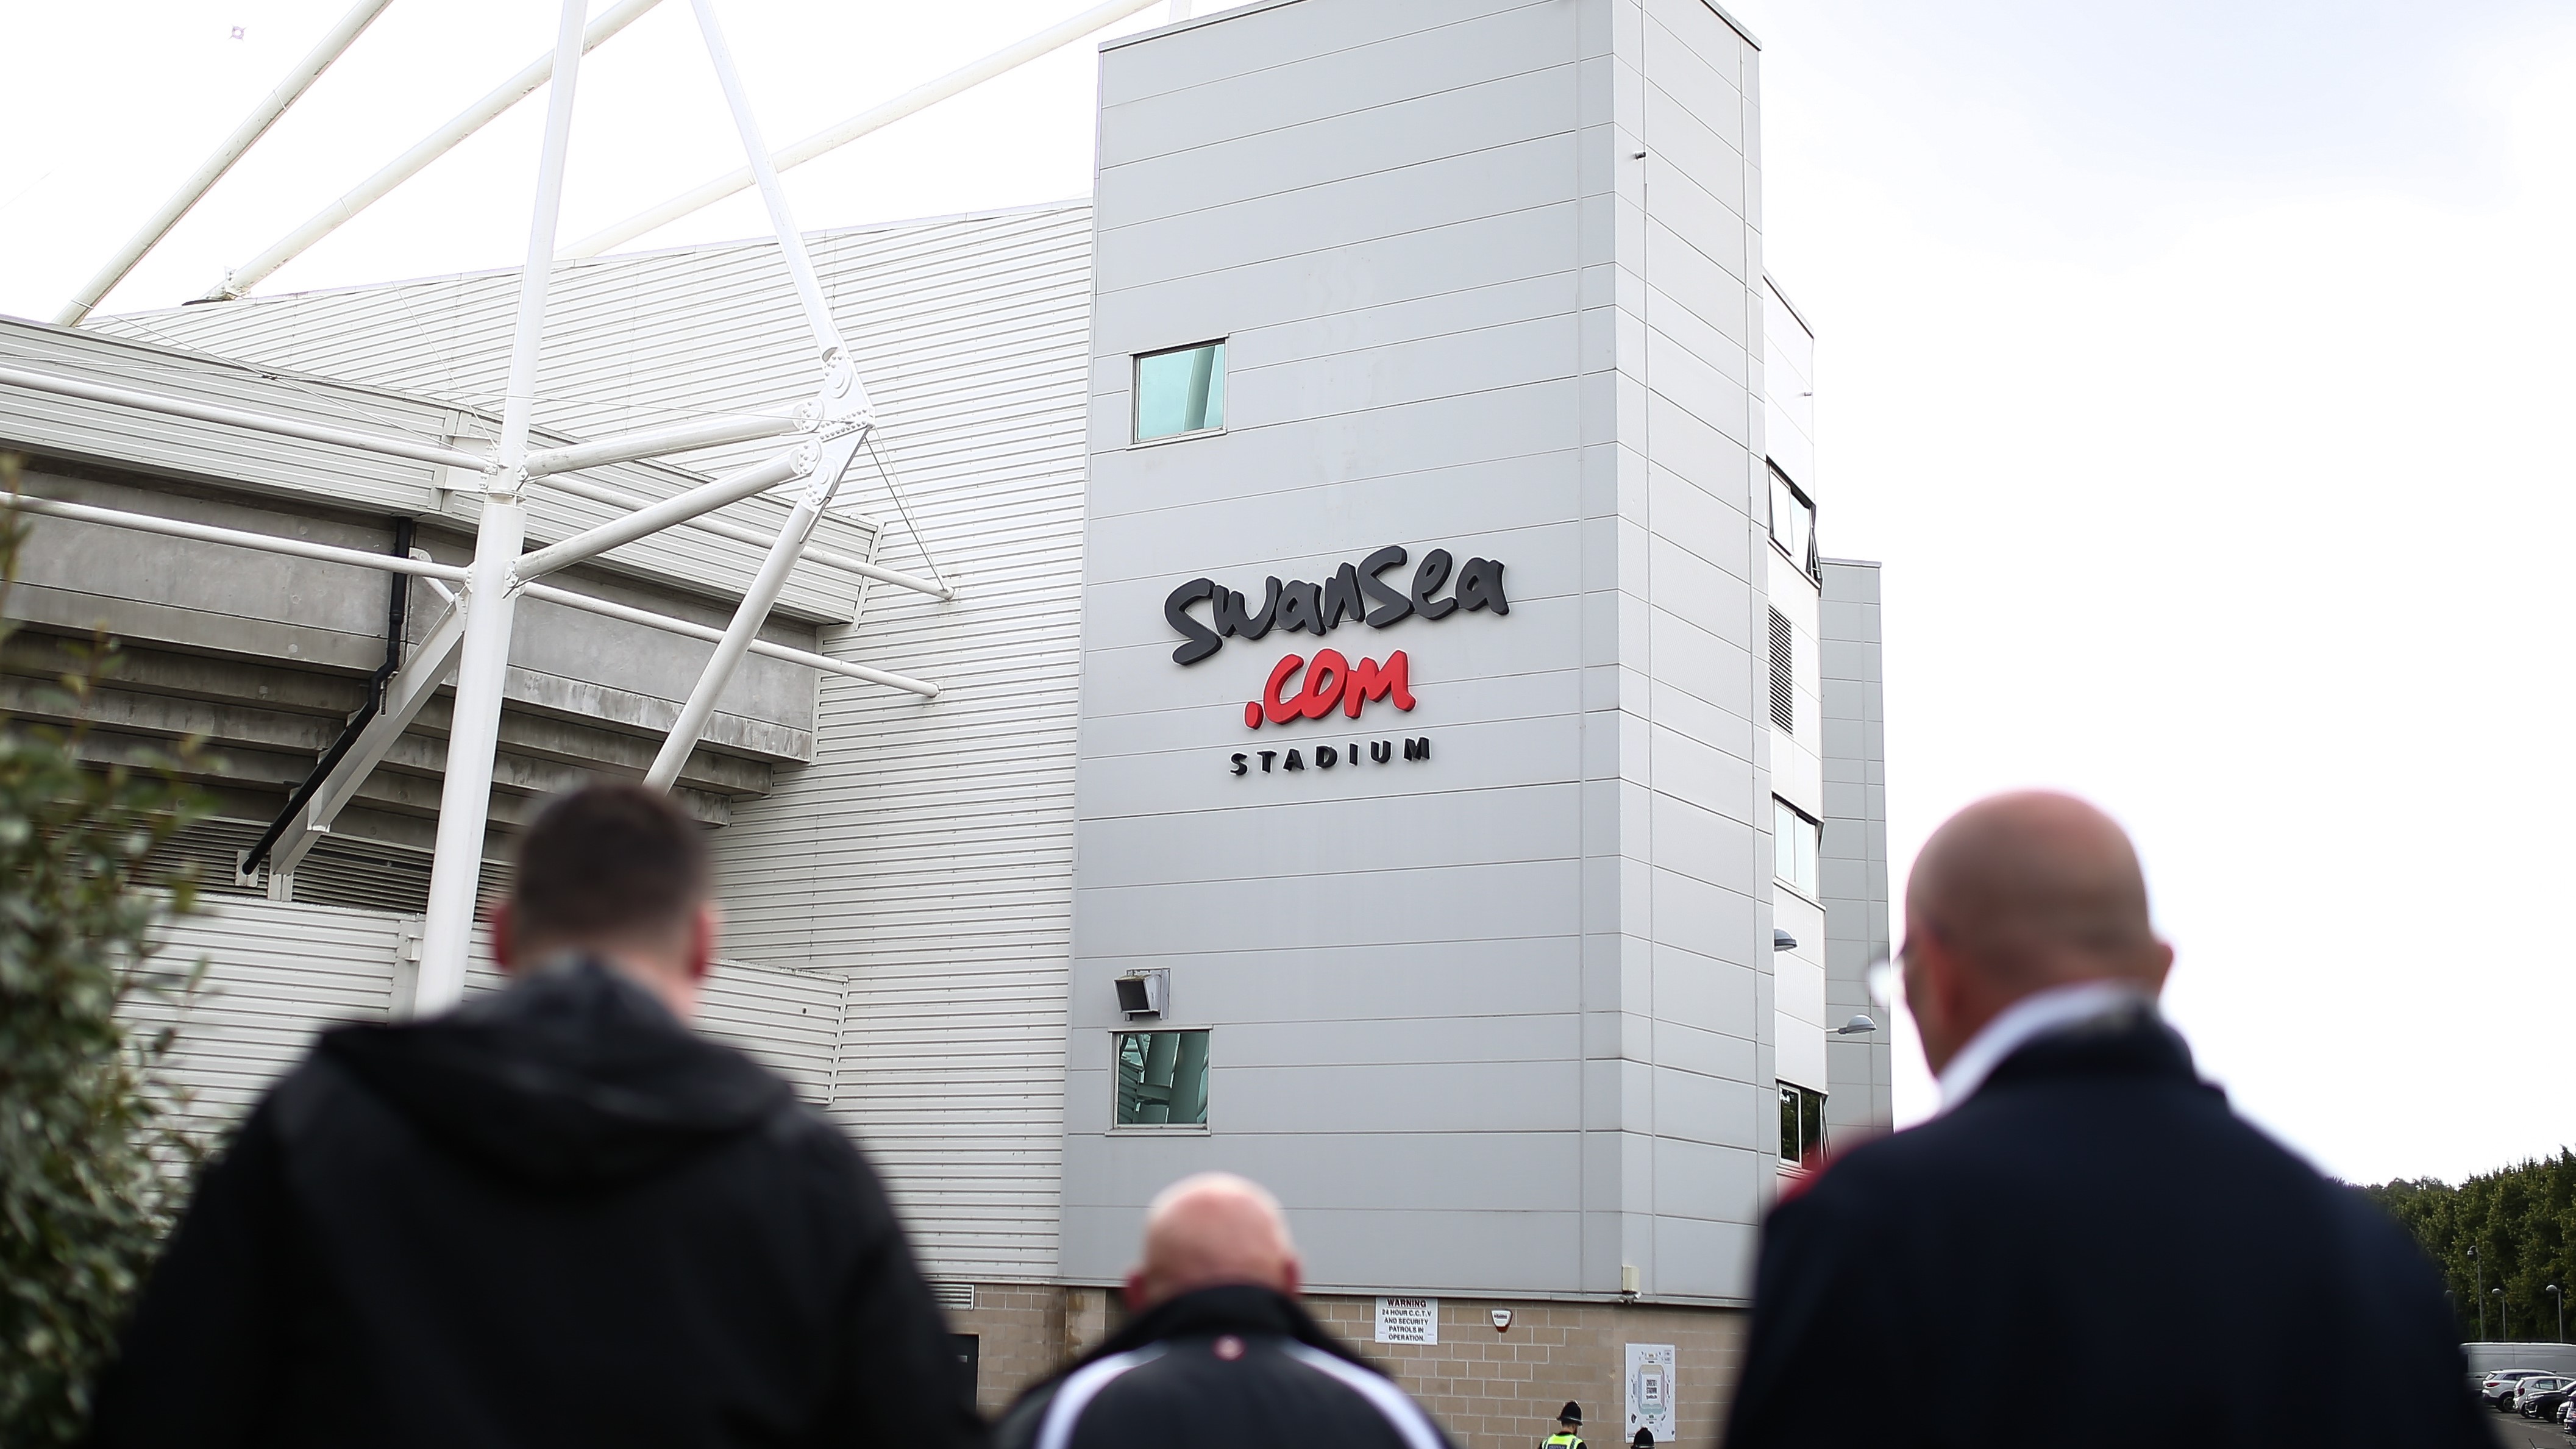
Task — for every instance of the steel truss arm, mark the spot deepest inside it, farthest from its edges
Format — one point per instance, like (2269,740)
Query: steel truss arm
(834,558)
(410,688)
(209,533)
(548,593)
(390,446)
(919,98)
(655,442)
(754,609)
(791,242)
(679,508)
(272,106)
(410,163)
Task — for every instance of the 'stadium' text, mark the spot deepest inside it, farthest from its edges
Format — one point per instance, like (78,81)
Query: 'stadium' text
(1380,752)
(1355,591)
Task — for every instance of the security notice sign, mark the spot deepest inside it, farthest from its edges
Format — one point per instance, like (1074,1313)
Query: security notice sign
(1650,1391)
(1408,1320)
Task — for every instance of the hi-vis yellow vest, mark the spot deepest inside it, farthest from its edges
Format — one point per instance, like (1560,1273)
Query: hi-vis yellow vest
(1565,1441)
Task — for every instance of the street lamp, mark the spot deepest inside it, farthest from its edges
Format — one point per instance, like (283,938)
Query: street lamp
(2481,1270)
(2562,1311)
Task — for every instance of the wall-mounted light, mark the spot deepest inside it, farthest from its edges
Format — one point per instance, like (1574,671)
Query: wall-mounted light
(1782,940)
(1144,993)
(1856,1026)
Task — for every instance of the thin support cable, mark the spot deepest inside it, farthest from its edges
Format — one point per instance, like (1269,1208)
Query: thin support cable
(904,506)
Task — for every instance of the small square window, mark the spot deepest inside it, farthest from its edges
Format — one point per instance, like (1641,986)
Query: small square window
(1162,1078)
(1180,391)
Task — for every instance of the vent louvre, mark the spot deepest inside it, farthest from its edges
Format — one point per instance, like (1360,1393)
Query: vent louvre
(1784,674)
(953,1295)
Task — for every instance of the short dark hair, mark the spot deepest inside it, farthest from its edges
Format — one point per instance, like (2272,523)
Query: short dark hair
(607,862)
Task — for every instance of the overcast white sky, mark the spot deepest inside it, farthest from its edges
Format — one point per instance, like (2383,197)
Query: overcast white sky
(2199,371)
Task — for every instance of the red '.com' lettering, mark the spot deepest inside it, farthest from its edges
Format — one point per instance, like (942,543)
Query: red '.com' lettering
(1330,680)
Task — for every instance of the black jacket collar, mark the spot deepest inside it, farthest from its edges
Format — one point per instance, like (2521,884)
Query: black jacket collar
(1233,1308)
(2131,1042)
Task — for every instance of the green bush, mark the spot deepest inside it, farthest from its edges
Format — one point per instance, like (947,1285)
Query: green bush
(90,1167)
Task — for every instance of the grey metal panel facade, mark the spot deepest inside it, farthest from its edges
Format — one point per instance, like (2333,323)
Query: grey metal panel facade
(1857,883)
(1496,1020)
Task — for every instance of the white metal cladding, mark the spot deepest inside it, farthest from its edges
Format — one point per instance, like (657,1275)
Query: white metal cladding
(927,850)
(276,974)
(295,470)
(789,1021)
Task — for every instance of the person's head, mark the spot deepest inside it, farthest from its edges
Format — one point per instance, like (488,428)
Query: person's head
(618,873)
(2016,894)
(1208,1231)
(1570,1418)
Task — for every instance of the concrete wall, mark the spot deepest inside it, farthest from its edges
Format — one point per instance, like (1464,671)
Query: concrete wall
(1495,1020)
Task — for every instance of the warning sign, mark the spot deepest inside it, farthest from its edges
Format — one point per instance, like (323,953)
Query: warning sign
(1408,1320)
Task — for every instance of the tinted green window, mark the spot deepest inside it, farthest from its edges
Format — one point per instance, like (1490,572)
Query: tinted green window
(1802,1122)
(1162,1078)
(1180,391)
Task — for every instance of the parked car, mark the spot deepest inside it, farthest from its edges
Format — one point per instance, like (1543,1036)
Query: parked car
(2498,1389)
(2539,1396)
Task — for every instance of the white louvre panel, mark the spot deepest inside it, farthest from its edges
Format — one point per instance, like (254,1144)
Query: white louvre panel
(288,467)
(790,1021)
(927,849)
(275,975)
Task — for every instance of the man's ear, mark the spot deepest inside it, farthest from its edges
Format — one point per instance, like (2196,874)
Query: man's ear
(504,947)
(704,926)
(1292,1277)
(1133,1290)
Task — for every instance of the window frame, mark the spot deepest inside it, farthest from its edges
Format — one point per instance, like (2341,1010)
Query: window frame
(1813,564)
(1136,395)
(1809,1108)
(1811,889)
(1117,1036)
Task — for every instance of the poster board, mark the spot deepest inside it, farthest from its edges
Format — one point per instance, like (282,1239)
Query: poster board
(1651,1385)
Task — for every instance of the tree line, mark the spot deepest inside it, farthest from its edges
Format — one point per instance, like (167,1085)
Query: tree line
(2513,1229)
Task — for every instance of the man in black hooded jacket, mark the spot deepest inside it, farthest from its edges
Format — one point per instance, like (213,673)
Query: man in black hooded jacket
(555,1217)
(1220,1353)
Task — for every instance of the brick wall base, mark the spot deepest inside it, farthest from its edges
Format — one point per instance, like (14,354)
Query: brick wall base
(1492,1390)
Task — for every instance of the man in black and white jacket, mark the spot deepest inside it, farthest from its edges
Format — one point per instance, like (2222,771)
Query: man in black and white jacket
(1220,1352)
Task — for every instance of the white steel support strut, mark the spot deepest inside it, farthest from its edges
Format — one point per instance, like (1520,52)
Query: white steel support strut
(410,688)
(475,735)
(754,609)
(919,98)
(843,407)
(272,106)
(791,242)
(410,163)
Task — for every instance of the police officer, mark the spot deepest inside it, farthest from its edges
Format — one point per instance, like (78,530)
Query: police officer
(1568,1421)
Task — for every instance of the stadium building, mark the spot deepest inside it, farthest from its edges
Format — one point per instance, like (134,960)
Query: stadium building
(1332,673)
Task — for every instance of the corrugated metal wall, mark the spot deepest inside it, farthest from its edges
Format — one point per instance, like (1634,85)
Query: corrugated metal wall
(926,853)
(276,973)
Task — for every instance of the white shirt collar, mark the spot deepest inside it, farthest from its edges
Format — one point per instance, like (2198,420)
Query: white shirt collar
(2034,1015)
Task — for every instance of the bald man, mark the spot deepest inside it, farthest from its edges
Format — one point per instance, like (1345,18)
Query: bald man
(2085,1246)
(1219,1352)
